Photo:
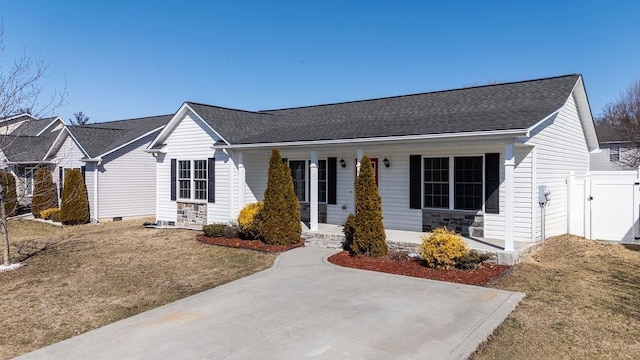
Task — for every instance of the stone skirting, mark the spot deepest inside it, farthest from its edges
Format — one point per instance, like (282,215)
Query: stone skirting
(467,223)
(323,240)
(305,212)
(191,216)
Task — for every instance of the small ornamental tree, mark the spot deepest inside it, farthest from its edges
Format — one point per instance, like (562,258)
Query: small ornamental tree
(8,183)
(45,195)
(368,236)
(75,204)
(281,211)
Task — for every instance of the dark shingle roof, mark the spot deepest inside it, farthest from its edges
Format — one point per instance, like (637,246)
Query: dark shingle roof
(610,134)
(509,106)
(100,138)
(26,148)
(33,127)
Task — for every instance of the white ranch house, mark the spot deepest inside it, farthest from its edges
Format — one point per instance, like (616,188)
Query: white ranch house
(472,158)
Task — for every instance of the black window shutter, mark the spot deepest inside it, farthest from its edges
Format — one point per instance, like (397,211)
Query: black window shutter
(415,167)
(211,180)
(83,170)
(332,184)
(284,160)
(173,179)
(60,180)
(492,183)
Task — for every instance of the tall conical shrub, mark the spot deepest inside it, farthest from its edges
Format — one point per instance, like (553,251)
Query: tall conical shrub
(8,182)
(45,195)
(75,204)
(281,211)
(368,237)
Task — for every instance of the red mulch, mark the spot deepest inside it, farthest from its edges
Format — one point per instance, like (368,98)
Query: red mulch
(256,245)
(413,267)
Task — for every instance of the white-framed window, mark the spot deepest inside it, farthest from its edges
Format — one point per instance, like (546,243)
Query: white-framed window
(300,177)
(614,153)
(322,181)
(184,179)
(29,175)
(192,179)
(466,181)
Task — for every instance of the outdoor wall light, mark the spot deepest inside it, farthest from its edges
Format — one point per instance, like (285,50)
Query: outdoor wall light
(386,162)
(343,163)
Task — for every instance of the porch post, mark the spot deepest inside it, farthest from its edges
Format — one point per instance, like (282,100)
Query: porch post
(358,158)
(241,181)
(509,167)
(96,205)
(587,206)
(313,192)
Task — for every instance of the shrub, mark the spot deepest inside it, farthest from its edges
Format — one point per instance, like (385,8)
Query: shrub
(281,211)
(75,204)
(471,260)
(250,220)
(441,248)
(216,230)
(368,236)
(349,229)
(8,183)
(55,217)
(48,213)
(45,195)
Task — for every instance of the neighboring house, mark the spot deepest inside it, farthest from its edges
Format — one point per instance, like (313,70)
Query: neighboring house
(24,145)
(119,175)
(471,159)
(616,151)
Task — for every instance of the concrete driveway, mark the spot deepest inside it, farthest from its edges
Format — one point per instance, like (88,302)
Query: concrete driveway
(302,308)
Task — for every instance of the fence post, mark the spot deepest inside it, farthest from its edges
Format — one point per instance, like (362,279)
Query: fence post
(570,201)
(587,206)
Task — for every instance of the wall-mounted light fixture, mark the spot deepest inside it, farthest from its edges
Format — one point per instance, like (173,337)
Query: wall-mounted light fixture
(386,162)
(343,163)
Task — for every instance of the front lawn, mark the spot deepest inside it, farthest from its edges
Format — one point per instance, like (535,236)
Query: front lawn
(75,279)
(583,302)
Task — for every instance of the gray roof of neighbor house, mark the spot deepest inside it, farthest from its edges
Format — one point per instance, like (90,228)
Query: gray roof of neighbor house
(100,138)
(33,127)
(508,106)
(610,134)
(26,148)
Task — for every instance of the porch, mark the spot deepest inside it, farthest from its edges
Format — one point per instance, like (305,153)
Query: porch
(331,236)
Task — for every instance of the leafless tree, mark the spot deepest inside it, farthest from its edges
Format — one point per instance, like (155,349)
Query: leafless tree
(20,89)
(79,118)
(624,114)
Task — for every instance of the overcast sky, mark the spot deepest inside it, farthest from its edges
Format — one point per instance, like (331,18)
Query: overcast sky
(126,59)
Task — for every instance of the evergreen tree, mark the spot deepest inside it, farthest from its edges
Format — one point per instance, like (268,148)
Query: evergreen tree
(368,237)
(8,183)
(45,195)
(75,203)
(281,211)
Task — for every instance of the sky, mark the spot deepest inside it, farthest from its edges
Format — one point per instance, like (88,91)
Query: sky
(128,59)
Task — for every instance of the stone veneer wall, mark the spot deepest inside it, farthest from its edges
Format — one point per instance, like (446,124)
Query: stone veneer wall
(467,223)
(191,216)
(305,212)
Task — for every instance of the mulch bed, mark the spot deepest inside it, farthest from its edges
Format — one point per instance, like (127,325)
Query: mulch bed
(256,245)
(404,265)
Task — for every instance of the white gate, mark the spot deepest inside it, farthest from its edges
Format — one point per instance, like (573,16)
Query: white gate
(605,205)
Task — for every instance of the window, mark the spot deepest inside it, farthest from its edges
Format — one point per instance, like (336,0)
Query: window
(28,180)
(322,181)
(614,153)
(436,182)
(468,183)
(200,179)
(184,179)
(298,173)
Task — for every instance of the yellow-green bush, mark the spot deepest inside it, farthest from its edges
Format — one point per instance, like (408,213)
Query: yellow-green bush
(442,247)
(369,238)
(250,220)
(348,230)
(45,195)
(75,204)
(48,213)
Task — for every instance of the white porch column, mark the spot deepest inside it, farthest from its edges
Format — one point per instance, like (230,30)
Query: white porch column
(242,177)
(358,158)
(96,206)
(313,192)
(509,167)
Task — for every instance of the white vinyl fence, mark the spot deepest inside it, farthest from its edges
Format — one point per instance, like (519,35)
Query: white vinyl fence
(605,205)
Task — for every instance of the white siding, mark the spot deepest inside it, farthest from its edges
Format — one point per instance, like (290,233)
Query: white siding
(67,157)
(192,140)
(560,148)
(126,181)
